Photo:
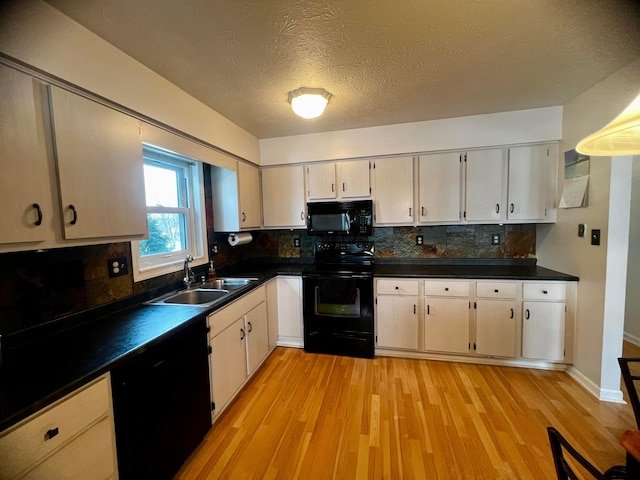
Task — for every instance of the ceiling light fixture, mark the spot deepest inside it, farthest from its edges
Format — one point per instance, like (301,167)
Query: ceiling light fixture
(309,102)
(620,137)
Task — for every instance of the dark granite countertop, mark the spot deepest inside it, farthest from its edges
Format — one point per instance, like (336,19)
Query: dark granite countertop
(46,369)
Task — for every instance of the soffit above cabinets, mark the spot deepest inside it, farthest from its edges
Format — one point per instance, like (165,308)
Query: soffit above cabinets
(384,62)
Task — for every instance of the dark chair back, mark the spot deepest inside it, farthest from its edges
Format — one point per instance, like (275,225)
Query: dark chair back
(559,445)
(630,383)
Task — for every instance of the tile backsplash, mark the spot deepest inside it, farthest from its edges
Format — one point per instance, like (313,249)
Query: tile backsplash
(452,241)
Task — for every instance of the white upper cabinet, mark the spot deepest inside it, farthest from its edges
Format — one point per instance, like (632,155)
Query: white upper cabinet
(354,179)
(283,196)
(100,169)
(528,178)
(393,183)
(321,181)
(27,206)
(338,180)
(485,185)
(236,198)
(440,188)
(250,196)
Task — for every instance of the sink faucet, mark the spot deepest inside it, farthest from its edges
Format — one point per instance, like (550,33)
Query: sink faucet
(189,276)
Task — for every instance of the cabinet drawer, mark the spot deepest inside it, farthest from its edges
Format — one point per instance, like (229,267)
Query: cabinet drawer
(28,442)
(397,287)
(496,290)
(544,291)
(446,288)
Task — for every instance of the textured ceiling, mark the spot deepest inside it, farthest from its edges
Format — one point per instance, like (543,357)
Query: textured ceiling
(384,62)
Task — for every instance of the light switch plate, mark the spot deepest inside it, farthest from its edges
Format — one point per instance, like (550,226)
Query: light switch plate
(581,229)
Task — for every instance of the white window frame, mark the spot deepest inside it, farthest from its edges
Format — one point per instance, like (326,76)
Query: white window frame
(196,232)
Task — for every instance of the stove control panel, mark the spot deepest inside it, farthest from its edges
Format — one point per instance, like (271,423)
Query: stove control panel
(349,248)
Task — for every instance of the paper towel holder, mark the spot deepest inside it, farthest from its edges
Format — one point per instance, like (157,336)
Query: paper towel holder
(242,238)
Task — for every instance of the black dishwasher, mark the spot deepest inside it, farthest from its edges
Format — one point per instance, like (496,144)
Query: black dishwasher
(162,406)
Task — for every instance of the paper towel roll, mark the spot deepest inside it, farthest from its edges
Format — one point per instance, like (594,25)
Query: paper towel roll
(240,238)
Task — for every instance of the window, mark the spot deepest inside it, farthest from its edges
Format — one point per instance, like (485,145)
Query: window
(175,214)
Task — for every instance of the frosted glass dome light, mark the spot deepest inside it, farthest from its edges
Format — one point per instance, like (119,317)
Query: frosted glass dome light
(309,102)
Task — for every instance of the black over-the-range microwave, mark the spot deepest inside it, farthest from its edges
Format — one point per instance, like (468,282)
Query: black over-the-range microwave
(340,218)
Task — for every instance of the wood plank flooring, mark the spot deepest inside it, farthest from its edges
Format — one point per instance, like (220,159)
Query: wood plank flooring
(315,416)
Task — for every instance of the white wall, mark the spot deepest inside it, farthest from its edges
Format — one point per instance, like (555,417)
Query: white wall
(632,308)
(496,129)
(39,35)
(560,248)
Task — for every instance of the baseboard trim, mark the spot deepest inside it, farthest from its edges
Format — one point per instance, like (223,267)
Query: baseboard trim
(604,395)
(631,339)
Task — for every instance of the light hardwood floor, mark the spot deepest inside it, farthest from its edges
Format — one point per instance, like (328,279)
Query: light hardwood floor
(319,416)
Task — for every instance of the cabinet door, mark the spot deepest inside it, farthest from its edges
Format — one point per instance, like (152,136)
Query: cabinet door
(24,183)
(290,310)
(250,196)
(496,328)
(543,330)
(354,179)
(439,188)
(527,183)
(321,181)
(228,363)
(485,182)
(100,169)
(446,325)
(283,196)
(257,336)
(393,190)
(397,321)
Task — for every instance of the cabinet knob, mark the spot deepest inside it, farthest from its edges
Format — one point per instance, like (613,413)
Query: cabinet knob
(397,288)
(545,292)
(51,433)
(38,222)
(446,289)
(496,290)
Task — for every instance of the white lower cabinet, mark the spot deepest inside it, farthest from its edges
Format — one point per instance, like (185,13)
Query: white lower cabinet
(239,341)
(290,311)
(509,320)
(72,439)
(446,321)
(496,319)
(396,312)
(495,328)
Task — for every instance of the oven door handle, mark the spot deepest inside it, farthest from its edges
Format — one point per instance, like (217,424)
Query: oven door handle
(360,276)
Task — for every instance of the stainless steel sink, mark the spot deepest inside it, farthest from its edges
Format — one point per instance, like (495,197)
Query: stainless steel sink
(203,297)
(229,283)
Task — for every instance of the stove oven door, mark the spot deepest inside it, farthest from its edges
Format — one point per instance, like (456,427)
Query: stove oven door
(338,314)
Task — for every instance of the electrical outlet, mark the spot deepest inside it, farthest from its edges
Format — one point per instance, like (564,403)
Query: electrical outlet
(581,229)
(117,267)
(595,237)
(296,242)
(495,239)
(419,240)
(214,249)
